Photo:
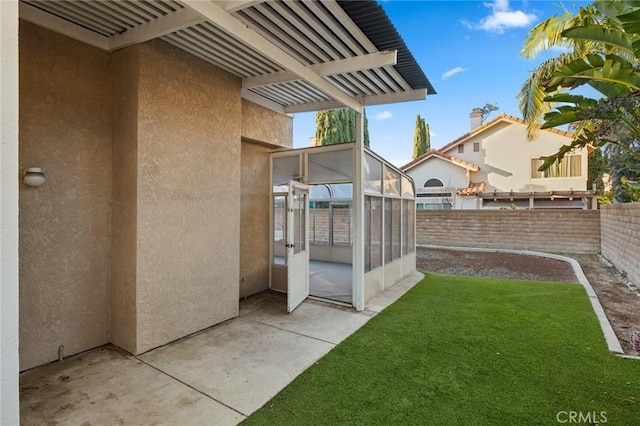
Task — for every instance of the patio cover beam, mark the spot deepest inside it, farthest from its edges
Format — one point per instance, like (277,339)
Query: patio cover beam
(262,101)
(221,18)
(339,66)
(62,26)
(236,5)
(167,24)
(389,98)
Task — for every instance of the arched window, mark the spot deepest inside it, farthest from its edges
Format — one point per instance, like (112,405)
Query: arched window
(433,183)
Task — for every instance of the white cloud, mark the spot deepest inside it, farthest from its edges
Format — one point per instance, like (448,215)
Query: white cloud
(452,72)
(384,115)
(502,18)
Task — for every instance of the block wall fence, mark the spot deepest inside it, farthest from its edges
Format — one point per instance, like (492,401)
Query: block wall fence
(620,235)
(613,231)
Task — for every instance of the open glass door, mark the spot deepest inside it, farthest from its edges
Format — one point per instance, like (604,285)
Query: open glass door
(297,245)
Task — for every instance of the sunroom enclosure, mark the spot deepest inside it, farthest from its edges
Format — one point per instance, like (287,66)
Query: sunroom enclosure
(337,270)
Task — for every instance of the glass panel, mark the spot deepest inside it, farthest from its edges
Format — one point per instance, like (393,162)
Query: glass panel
(367,234)
(330,166)
(396,231)
(407,188)
(405,227)
(576,165)
(319,223)
(558,169)
(319,192)
(391,182)
(372,175)
(433,183)
(376,232)
(342,190)
(279,230)
(299,201)
(412,226)
(341,224)
(387,230)
(286,169)
(303,221)
(408,228)
(535,164)
(563,168)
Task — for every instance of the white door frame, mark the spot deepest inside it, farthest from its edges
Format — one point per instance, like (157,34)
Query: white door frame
(9,181)
(297,248)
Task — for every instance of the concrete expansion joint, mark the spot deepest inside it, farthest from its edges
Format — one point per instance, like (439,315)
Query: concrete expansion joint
(610,337)
(291,331)
(189,386)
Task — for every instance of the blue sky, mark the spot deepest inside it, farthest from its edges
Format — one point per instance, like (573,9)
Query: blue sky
(469,50)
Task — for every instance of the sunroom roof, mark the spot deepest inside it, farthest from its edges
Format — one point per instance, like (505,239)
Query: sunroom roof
(292,56)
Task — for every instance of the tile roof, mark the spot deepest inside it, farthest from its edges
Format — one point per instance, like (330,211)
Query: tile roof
(438,153)
(502,118)
(474,188)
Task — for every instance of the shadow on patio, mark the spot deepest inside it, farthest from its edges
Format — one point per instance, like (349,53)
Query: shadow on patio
(217,376)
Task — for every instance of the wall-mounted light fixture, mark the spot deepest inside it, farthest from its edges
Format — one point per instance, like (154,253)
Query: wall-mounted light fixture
(34,177)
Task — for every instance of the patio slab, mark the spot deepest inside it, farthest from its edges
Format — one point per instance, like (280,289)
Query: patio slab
(316,319)
(241,363)
(215,377)
(106,386)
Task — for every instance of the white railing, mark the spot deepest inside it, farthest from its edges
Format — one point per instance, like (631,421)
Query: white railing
(441,196)
(448,190)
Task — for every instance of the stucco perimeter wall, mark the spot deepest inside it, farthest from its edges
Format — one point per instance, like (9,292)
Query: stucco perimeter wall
(555,231)
(124,89)
(64,246)
(620,229)
(189,125)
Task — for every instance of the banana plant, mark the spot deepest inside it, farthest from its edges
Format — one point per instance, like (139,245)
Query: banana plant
(549,33)
(614,72)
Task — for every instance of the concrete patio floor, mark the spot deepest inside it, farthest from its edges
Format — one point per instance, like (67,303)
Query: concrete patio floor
(218,376)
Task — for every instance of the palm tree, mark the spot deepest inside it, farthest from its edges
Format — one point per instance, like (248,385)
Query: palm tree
(550,33)
(614,120)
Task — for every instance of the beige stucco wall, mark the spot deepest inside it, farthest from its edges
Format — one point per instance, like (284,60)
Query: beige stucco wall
(124,89)
(260,124)
(65,129)
(262,131)
(135,238)
(254,219)
(189,123)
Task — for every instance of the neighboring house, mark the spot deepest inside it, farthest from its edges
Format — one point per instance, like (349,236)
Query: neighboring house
(496,166)
(155,123)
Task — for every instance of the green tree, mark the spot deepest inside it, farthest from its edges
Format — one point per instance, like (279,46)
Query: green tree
(421,139)
(338,126)
(427,136)
(597,166)
(550,33)
(609,64)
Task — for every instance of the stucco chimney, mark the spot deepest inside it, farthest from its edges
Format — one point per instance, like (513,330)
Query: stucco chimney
(476,117)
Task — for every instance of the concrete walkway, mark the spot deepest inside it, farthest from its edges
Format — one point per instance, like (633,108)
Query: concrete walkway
(218,376)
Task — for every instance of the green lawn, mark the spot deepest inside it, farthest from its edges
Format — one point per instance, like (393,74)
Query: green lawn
(468,351)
